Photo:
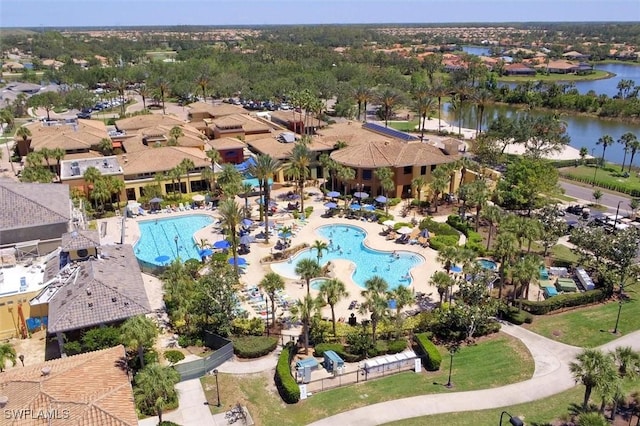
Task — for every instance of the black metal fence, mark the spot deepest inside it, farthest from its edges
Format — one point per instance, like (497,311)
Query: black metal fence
(197,368)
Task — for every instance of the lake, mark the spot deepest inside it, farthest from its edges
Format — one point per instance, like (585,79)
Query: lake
(583,131)
(607,86)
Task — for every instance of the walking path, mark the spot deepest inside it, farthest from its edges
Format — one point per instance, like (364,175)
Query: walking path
(551,377)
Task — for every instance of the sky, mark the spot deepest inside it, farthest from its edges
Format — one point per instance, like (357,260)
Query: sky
(86,13)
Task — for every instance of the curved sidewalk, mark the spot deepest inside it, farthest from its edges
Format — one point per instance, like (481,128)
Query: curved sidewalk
(551,376)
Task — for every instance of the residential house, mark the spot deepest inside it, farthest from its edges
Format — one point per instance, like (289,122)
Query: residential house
(72,136)
(88,389)
(297,122)
(232,150)
(240,126)
(72,171)
(559,67)
(575,56)
(518,69)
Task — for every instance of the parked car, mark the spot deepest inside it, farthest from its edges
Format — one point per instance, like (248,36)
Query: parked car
(84,115)
(575,209)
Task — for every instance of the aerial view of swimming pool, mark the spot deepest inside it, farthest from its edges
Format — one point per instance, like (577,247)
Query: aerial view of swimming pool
(348,243)
(157,244)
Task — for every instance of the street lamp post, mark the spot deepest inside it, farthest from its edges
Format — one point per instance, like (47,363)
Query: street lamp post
(452,352)
(215,373)
(514,421)
(615,329)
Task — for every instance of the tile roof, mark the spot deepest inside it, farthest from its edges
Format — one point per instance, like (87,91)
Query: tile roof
(33,204)
(248,123)
(226,143)
(280,151)
(80,136)
(85,389)
(149,120)
(160,159)
(216,111)
(78,240)
(102,291)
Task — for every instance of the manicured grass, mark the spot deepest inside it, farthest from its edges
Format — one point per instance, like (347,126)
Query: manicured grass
(562,253)
(404,126)
(494,361)
(590,326)
(540,412)
(596,75)
(605,177)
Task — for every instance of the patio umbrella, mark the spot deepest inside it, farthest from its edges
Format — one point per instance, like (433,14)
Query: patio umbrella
(368,207)
(156,200)
(333,194)
(205,252)
(331,205)
(198,198)
(355,207)
(456,269)
(389,222)
(361,195)
(241,261)
(133,205)
(284,235)
(424,233)
(162,258)
(247,222)
(404,230)
(246,240)
(381,199)
(222,244)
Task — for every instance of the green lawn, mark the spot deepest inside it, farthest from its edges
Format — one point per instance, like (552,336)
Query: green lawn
(404,126)
(495,361)
(540,412)
(605,177)
(590,326)
(596,75)
(562,253)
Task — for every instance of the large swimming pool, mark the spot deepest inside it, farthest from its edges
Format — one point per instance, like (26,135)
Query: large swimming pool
(158,238)
(348,243)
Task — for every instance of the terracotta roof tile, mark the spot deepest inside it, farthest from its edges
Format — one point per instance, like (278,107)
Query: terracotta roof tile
(83,135)
(150,120)
(161,159)
(216,111)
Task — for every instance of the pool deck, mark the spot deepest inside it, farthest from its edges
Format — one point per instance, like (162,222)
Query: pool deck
(305,233)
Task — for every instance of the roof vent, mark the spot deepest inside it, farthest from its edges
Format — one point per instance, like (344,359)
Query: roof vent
(4,400)
(46,371)
(88,291)
(91,304)
(113,299)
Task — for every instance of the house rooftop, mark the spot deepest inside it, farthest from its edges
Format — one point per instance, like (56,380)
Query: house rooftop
(149,120)
(70,135)
(79,240)
(216,111)
(74,169)
(88,389)
(33,204)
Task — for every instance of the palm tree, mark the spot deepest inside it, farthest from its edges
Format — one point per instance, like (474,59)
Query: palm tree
(139,332)
(527,268)
(203,82)
(187,165)
(634,146)
(319,246)
(439,90)
(491,214)
(328,167)
(403,297)
(58,154)
(304,309)
(298,168)
(175,133)
(231,216)
(627,360)
(308,269)
(605,141)
(271,284)
(362,95)
(230,180)
(375,302)
(345,174)
(162,86)
(144,93)
(115,187)
(625,140)
(155,387)
(504,250)
(332,291)
(105,146)
(265,169)
(388,100)
(418,184)
(481,98)
(592,367)
(385,176)
(246,190)
(7,353)
(24,133)
(424,106)
(478,196)
(440,180)
(442,281)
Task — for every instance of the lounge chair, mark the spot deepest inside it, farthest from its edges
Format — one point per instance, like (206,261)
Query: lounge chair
(423,241)
(392,236)
(181,207)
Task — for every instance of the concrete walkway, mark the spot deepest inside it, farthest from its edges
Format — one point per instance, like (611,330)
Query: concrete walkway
(551,376)
(192,410)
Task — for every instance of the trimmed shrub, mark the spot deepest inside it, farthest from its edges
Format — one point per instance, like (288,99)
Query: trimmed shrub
(286,384)
(396,346)
(254,346)
(562,301)
(394,201)
(339,349)
(433,357)
(439,241)
(437,228)
(173,356)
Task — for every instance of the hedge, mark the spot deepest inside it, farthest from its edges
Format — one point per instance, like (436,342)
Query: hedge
(339,349)
(437,228)
(438,242)
(286,384)
(254,346)
(433,357)
(621,187)
(173,356)
(563,301)
(515,316)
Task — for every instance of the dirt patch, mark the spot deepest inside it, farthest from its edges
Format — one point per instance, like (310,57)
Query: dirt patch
(556,333)
(32,348)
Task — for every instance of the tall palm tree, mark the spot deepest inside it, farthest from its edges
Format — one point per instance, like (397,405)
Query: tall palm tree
(308,269)
(592,367)
(247,188)
(24,133)
(523,271)
(440,180)
(271,284)
(439,90)
(58,154)
(424,106)
(187,165)
(345,174)
(230,180)
(605,141)
(626,140)
(319,246)
(504,249)
(162,86)
(443,282)
(403,297)
(203,83)
(231,216)
(627,360)
(304,309)
(634,146)
(298,168)
(491,214)
(332,291)
(375,302)
(478,196)
(328,167)
(155,387)
(385,176)
(144,93)
(362,96)
(138,333)
(115,187)
(105,146)
(7,353)
(418,184)
(264,169)
(481,98)
(388,100)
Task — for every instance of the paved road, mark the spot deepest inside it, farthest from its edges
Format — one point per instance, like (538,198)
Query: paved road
(609,199)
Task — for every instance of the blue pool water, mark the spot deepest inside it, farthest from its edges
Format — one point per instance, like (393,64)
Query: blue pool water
(488,264)
(157,238)
(369,262)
